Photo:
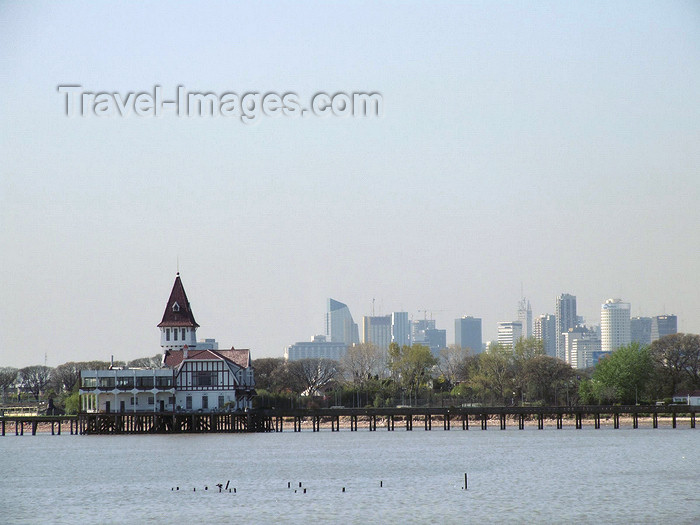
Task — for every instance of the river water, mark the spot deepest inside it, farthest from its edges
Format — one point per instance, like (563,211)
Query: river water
(514,476)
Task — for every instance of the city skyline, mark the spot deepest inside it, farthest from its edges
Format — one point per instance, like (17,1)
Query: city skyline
(522,150)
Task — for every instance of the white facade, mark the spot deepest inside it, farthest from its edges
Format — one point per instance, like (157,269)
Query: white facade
(525,316)
(509,333)
(400,329)
(317,348)
(565,319)
(614,325)
(127,390)
(582,346)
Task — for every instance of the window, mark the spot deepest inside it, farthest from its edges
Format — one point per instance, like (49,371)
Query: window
(125,383)
(176,307)
(151,401)
(164,382)
(183,334)
(205,402)
(171,400)
(106,382)
(89,382)
(134,400)
(188,402)
(221,401)
(175,334)
(144,382)
(167,334)
(204,378)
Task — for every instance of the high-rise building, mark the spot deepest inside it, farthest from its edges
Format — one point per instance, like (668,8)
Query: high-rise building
(525,317)
(423,332)
(509,333)
(614,324)
(317,348)
(640,330)
(340,327)
(582,347)
(662,325)
(377,330)
(400,329)
(468,333)
(546,331)
(565,313)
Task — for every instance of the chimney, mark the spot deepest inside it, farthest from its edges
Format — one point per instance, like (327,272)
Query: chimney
(184,355)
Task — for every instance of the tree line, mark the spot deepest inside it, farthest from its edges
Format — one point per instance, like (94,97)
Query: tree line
(412,375)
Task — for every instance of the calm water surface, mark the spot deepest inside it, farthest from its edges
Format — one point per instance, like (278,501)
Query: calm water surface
(529,476)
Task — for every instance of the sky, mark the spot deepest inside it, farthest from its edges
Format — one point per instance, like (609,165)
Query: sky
(548,147)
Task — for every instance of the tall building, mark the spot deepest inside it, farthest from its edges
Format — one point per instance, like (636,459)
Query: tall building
(614,325)
(400,329)
(640,330)
(317,348)
(509,333)
(178,327)
(525,316)
(468,333)
(582,347)
(377,330)
(662,325)
(340,327)
(423,332)
(565,313)
(546,331)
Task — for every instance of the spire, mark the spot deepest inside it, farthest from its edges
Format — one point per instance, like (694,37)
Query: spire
(178,312)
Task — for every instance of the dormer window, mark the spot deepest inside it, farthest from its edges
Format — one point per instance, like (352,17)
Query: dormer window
(176,307)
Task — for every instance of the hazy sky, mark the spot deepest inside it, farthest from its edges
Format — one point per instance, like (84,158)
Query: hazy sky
(555,145)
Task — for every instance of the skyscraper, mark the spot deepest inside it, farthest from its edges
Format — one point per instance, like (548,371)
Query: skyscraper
(614,324)
(565,312)
(340,328)
(582,346)
(640,330)
(525,317)
(400,329)
(662,325)
(468,333)
(423,332)
(546,331)
(377,330)
(509,333)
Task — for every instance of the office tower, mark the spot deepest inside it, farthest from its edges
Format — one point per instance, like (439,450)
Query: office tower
(662,325)
(509,333)
(525,317)
(423,332)
(565,313)
(377,330)
(546,331)
(317,348)
(400,329)
(640,330)
(468,333)
(582,347)
(614,324)
(340,328)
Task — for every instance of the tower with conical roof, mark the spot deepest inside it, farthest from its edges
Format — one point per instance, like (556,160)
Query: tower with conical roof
(178,327)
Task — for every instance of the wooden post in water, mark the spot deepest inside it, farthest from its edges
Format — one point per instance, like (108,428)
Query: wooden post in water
(502,418)
(674,420)
(635,420)
(446,422)
(3,427)
(428,422)
(483,422)
(692,420)
(560,421)
(616,420)
(654,420)
(579,420)
(465,422)
(540,421)
(409,422)
(521,421)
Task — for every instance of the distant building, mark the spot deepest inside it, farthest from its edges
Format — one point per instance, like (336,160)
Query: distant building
(340,327)
(640,330)
(565,318)
(546,331)
(582,347)
(663,325)
(424,332)
(377,331)
(468,333)
(614,325)
(525,317)
(509,333)
(317,348)
(400,329)
(207,344)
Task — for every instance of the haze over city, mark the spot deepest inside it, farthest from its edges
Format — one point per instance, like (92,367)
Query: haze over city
(535,150)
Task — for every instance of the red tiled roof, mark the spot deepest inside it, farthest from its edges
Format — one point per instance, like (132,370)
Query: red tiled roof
(173,358)
(177,311)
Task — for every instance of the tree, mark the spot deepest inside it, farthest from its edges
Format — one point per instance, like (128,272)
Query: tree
(35,379)
(624,375)
(492,377)
(8,376)
(676,360)
(410,365)
(270,374)
(147,362)
(544,376)
(309,376)
(524,351)
(361,362)
(453,364)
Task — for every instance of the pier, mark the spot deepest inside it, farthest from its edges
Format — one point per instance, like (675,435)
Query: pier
(372,419)
(19,424)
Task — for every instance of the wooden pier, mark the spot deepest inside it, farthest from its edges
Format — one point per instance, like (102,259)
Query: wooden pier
(18,424)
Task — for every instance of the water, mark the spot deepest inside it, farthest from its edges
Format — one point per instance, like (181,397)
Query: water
(528,476)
